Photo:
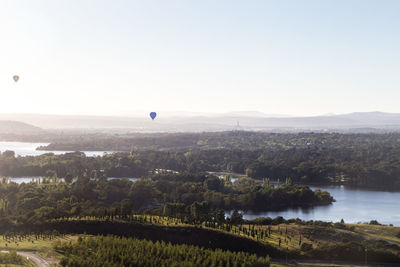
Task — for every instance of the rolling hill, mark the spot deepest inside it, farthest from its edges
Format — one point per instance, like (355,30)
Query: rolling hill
(353,122)
(16,127)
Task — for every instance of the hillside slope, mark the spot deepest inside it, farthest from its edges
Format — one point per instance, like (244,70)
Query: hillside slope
(16,127)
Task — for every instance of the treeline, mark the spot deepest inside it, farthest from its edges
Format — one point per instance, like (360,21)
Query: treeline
(197,196)
(114,251)
(374,165)
(240,140)
(147,227)
(345,243)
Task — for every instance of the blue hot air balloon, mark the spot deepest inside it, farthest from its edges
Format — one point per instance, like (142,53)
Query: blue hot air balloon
(153,115)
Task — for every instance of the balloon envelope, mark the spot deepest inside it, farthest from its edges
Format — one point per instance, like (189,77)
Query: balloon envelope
(16,78)
(153,115)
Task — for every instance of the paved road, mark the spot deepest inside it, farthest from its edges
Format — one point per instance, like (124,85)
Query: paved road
(35,258)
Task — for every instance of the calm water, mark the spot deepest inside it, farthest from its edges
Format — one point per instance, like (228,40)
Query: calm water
(353,205)
(20,180)
(29,149)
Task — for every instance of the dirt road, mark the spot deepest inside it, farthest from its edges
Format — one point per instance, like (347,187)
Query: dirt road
(35,258)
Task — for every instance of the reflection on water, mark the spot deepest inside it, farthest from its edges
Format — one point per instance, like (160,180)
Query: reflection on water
(29,149)
(35,179)
(352,205)
(20,180)
(132,179)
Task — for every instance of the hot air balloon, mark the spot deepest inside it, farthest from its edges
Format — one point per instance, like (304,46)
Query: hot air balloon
(16,78)
(153,115)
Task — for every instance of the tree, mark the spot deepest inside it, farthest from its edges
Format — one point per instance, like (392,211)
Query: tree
(200,211)
(9,154)
(68,178)
(126,207)
(142,192)
(236,217)
(213,183)
(219,216)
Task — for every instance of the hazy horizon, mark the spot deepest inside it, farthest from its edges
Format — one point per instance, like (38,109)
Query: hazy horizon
(278,57)
(192,133)
(182,113)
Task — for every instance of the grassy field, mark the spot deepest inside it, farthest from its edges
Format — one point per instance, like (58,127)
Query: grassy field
(317,235)
(285,237)
(24,262)
(290,237)
(27,264)
(41,246)
(388,233)
(29,243)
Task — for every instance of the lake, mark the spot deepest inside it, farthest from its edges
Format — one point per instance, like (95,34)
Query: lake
(29,149)
(35,179)
(353,205)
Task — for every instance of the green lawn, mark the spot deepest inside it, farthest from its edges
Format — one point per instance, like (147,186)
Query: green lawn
(389,233)
(289,234)
(43,247)
(31,244)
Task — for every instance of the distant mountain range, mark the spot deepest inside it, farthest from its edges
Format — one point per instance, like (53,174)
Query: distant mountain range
(244,120)
(16,127)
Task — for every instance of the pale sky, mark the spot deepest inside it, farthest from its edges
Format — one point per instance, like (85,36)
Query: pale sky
(116,57)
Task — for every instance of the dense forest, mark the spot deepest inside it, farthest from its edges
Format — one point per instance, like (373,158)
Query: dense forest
(237,140)
(178,198)
(365,160)
(114,251)
(193,197)
(182,209)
